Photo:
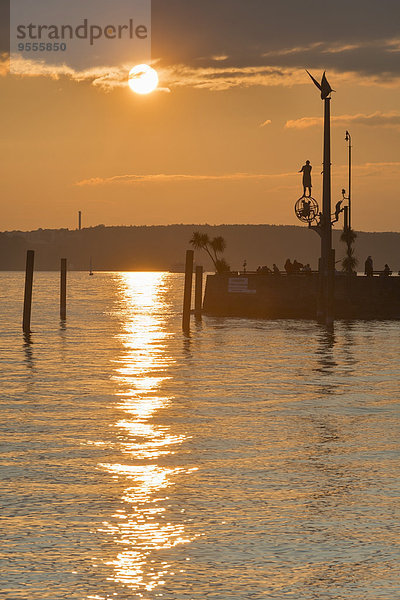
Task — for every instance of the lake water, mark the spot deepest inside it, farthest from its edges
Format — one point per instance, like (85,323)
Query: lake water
(251,460)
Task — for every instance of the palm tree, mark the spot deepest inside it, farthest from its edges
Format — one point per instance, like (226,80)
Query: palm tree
(201,241)
(221,266)
(218,245)
(350,262)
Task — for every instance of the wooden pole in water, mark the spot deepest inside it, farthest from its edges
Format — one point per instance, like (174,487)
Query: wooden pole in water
(26,321)
(198,293)
(187,295)
(330,292)
(320,295)
(63,290)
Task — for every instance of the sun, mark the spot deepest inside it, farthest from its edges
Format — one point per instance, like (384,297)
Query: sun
(143,79)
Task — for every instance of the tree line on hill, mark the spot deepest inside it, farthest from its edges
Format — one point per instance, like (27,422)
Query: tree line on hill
(162,248)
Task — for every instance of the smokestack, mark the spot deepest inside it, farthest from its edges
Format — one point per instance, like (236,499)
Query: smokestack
(80,220)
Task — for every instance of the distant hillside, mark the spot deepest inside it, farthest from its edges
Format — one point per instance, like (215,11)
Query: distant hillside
(160,247)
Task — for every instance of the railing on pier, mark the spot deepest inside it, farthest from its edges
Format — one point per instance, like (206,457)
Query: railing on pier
(272,274)
(308,273)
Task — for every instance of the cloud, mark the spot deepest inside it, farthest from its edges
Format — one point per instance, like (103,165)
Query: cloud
(376,58)
(174,178)
(369,169)
(4,64)
(361,36)
(303,123)
(102,76)
(245,44)
(267,122)
(220,58)
(218,77)
(376,119)
(244,31)
(106,78)
(153,178)
(214,78)
(381,169)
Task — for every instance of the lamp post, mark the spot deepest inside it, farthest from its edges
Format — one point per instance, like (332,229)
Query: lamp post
(348,140)
(350,236)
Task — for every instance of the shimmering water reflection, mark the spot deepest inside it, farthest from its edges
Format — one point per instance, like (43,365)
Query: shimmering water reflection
(141,369)
(250,460)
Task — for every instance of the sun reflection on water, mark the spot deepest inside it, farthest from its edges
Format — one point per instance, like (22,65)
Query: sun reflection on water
(142,526)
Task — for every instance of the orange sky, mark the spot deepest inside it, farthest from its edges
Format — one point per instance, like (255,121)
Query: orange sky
(220,142)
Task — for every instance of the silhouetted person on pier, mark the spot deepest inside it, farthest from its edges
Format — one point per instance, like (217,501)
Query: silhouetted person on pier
(306,170)
(369,267)
(288,267)
(338,210)
(265,269)
(386,271)
(297,266)
(275,269)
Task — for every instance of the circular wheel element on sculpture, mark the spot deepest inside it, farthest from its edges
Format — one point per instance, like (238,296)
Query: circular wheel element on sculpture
(306,209)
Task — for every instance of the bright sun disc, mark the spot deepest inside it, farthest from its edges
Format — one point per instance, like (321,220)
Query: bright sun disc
(143,79)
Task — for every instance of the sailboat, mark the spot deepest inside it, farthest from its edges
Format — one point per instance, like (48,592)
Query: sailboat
(90,267)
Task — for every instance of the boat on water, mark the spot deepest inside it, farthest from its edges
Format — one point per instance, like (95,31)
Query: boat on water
(91,268)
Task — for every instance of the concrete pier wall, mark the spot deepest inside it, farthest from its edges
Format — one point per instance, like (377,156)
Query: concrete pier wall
(295,296)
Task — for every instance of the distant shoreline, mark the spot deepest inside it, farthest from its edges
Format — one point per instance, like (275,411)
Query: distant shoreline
(194,225)
(158,247)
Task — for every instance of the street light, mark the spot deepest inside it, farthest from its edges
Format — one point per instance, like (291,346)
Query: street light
(348,140)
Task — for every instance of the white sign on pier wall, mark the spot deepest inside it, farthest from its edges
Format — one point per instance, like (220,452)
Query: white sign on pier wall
(239,285)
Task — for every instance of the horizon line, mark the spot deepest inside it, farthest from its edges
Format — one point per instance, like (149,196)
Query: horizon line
(103,226)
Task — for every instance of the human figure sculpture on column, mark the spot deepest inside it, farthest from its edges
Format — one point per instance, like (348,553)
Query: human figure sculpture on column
(306,170)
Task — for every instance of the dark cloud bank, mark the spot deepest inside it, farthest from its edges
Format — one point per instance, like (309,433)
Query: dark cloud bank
(362,36)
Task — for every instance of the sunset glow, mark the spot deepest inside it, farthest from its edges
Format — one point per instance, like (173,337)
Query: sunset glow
(143,79)
(200,299)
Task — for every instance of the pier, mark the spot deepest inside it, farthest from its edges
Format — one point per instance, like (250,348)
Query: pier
(254,295)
